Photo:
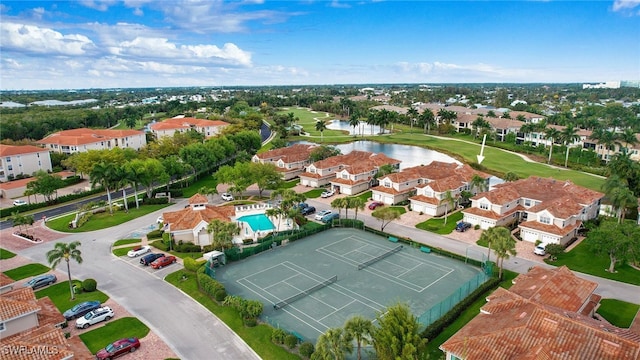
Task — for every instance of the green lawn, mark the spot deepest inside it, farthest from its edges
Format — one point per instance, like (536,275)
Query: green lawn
(313,194)
(114,330)
(400,209)
(161,245)
(365,195)
(206,181)
(438,226)
(6,254)
(617,312)
(102,220)
(258,338)
(126,242)
(122,251)
(291,183)
(26,271)
(308,122)
(582,260)
(60,295)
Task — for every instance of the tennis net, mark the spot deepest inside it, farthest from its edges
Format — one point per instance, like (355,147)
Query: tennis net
(379,257)
(285,302)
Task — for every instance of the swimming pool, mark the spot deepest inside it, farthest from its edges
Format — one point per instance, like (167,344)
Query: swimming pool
(258,222)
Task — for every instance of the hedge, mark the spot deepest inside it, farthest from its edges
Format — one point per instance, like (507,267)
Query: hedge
(207,284)
(59,200)
(193,265)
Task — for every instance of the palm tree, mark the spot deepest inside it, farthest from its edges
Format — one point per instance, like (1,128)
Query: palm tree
(447,115)
(321,126)
(617,191)
(479,123)
(628,137)
(332,345)
(478,183)
(427,119)
(413,114)
(63,251)
(354,122)
(490,235)
(104,174)
(527,128)
(569,135)
(503,245)
(339,203)
(357,203)
(552,134)
(359,329)
(449,200)
(605,138)
(223,233)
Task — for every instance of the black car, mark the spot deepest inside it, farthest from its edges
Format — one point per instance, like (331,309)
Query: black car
(149,258)
(463,226)
(308,210)
(81,309)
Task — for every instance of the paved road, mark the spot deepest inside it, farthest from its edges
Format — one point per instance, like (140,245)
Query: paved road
(607,288)
(187,327)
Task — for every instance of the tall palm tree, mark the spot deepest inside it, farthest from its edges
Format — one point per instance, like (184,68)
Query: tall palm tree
(104,174)
(449,200)
(63,251)
(605,138)
(628,137)
(354,122)
(372,119)
(478,183)
(359,329)
(223,233)
(412,114)
(339,203)
(332,345)
(617,191)
(427,118)
(568,136)
(479,123)
(356,203)
(503,245)
(490,235)
(552,134)
(321,125)
(527,129)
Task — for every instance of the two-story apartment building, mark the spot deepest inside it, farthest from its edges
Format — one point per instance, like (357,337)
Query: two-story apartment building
(169,127)
(290,161)
(83,139)
(361,168)
(548,210)
(27,160)
(546,314)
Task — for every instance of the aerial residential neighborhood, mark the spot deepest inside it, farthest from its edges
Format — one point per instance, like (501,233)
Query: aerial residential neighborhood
(319,180)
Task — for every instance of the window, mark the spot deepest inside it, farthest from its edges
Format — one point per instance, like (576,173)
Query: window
(387,184)
(527,202)
(545,219)
(2,328)
(8,159)
(484,206)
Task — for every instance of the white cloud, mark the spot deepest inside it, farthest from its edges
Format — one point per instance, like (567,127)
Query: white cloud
(624,5)
(100,5)
(37,40)
(339,5)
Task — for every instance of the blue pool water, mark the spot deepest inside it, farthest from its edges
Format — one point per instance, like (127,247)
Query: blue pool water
(258,222)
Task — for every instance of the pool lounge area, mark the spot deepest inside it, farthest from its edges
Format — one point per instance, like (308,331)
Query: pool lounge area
(257,222)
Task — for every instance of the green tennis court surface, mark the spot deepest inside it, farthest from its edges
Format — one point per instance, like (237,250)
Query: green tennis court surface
(372,273)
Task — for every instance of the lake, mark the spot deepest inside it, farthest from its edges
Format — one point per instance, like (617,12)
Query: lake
(363,128)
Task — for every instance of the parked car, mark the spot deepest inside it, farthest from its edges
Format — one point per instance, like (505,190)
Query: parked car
(81,309)
(330,217)
(226,197)
(160,220)
(137,251)
(19,202)
(118,348)
(322,213)
(375,205)
(40,281)
(301,206)
(93,317)
(308,210)
(463,226)
(149,258)
(161,262)
(328,193)
(540,250)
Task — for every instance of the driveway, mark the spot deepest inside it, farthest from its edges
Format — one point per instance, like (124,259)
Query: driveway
(190,329)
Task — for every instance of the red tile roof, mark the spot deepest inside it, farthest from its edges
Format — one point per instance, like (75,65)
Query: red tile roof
(551,229)
(35,343)
(86,136)
(289,154)
(188,218)
(425,199)
(355,157)
(390,190)
(545,189)
(562,208)
(10,150)
(185,123)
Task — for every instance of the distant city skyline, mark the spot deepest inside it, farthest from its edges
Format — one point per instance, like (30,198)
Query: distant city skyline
(143,43)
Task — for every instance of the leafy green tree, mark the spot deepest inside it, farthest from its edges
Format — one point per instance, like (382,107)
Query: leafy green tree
(153,172)
(359,329)
(503,245)
(239,176)
(386,215)
(397,335)
(620,242)
(67,252)
(511,176)
(266,176)
(332,345)
(46,184)
(223,233)
(323,152)
(130,122)
(20,220)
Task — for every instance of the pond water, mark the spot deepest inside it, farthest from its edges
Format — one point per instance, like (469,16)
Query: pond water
(362,129)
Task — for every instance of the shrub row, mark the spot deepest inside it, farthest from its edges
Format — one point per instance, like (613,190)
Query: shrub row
(192,264)
(155,201)
(281,337)
(59,200)
(209,286)
(155,234)
(447,319)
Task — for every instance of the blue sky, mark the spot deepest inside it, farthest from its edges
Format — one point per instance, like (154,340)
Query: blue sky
(159,43)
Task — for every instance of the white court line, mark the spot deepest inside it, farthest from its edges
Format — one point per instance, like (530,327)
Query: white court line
(279,282)
(336,310)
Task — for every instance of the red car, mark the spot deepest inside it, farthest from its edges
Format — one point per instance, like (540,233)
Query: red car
(118,348)
(375,205)
(161,262)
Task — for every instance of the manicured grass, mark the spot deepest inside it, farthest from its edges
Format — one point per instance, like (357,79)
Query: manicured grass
(438,226)
(26,271)
(6,254)
(308,122)
(161,245)
(617,312)
(313,194)
(583,260)
(365,195)
(59,294)
(400,209)
(206,181)
(126,241)
(114,330)
(122,251)
(258,337)
(290,184)
(464,318)
(103,220)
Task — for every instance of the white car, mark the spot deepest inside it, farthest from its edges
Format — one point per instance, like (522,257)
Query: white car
(93,317)
(226,197)
(328,193)
(539,250)
(160,220)
(322,214)
(19,202)
(137,251)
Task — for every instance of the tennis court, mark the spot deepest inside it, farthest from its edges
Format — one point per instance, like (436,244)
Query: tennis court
(321,281)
